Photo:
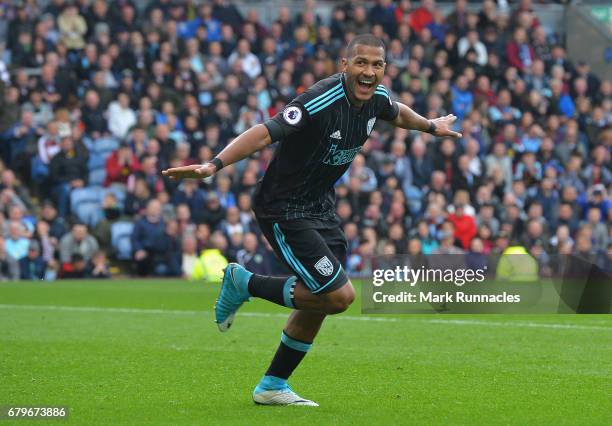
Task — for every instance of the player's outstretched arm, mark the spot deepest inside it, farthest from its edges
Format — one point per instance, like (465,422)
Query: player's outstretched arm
(441,126)
(252,140)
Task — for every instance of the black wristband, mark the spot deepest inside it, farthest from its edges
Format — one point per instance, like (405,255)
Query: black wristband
(432,127)
(217,163)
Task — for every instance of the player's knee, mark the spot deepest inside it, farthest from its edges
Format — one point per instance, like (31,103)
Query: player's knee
(341,300)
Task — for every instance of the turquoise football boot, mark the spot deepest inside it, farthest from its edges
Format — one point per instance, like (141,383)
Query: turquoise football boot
(234,292)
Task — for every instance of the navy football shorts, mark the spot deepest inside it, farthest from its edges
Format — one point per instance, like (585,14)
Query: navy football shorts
(315,255)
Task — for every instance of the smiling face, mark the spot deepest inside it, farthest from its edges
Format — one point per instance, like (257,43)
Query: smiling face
(364,68)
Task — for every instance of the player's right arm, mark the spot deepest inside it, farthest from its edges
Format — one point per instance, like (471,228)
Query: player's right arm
(252,140)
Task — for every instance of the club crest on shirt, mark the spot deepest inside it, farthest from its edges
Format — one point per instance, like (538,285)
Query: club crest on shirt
(324,266)
(371,123)
(292,115)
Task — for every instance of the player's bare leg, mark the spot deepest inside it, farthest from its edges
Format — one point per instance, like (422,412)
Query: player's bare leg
(304,325)
(334,302)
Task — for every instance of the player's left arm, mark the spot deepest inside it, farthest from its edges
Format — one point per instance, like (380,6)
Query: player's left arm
(409,119)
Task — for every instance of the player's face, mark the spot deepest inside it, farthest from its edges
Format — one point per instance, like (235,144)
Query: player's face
(364,71)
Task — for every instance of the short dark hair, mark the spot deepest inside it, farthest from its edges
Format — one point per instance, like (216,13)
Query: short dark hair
(363,40)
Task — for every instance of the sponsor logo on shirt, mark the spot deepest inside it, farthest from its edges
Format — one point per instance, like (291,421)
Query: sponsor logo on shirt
(338,157)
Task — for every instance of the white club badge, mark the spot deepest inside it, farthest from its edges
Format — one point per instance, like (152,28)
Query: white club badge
(371,123)
(324,266)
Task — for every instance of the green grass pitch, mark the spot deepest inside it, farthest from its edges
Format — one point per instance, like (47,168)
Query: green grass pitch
(148,352)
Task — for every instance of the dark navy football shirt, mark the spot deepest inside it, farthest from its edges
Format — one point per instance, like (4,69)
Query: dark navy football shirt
(319,134)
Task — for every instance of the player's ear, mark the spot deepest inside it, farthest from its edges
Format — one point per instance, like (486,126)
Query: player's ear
(344,63)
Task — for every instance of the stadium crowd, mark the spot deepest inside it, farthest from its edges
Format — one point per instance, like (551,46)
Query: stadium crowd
(98,97)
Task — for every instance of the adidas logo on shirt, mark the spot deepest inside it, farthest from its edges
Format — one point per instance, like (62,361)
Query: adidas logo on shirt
(336,135)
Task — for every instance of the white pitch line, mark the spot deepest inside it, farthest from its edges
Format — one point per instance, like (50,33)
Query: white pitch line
(512,324)
(520,324)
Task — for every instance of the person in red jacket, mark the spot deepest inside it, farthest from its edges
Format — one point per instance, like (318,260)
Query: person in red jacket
(465,226)
(120,165)
(518,51)
(422,16)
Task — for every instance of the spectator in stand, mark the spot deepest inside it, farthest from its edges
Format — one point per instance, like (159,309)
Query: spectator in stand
(519,52)
(149,173)
(42,113)
(599,230)
(19,140)
(17,214)
(9,115)
(148,239)
(16,244)
(476,258)
(190,255)
(93,115)
(422,16)
(383,14)
(78,241)
(226,197)
(120,116)
(67,171)
(212,262)
(359,21)
(120,165)
(32,266)
(98,267)
(170,263)
(75,268)
(57,224)
(72,27)
(465,226)
(251,256)
(137,198)
(111,214)
(48,147)
(462,98)
(16,192)
(472,41)
(189,193)
(48,244)
(246,60)
(503,112)
(213,213)
(9,266)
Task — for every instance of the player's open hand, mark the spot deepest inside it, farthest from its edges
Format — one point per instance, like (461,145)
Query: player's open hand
(444,126)
(195,171)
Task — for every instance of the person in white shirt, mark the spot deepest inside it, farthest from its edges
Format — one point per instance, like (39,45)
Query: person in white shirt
(250,64)
(471,41)
(120,116)
(190,255)
(48,143)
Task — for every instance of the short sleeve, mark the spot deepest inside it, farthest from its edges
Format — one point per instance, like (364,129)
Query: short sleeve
(291,119)
(387,109)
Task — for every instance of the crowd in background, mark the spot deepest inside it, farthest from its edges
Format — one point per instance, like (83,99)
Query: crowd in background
(98,97)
